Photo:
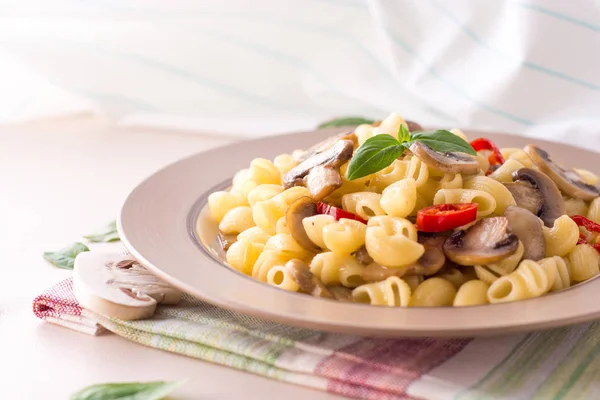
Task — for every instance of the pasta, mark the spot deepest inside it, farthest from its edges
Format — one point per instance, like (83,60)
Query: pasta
(392,291)
(430,222)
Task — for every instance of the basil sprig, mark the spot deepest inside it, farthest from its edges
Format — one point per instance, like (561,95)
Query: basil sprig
(379,151)
(127,391)
(346,121)
(65,258)
(107,234)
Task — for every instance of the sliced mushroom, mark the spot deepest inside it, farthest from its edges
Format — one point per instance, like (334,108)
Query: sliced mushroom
(325,145)
(488,241)
(306,280)
(302,208)
(322,181)
(526,196)
(341,293)
(101,284)
(363,257)
(553,205)
(528,229)
(452,163)
(375,272)
(225,241)
(433,259)
(413,126)
(333,157)
(567,180)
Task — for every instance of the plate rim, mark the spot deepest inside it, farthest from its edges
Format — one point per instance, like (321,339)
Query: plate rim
(307,319)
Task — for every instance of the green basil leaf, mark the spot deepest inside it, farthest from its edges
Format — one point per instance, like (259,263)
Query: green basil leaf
(444,142)
(403,134)
(346,121)
(127,391)
(65,258)
(375,154)
(107,234)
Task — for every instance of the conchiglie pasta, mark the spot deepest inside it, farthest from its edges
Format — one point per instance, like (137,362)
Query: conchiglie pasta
(254,235)
(337,268)
(576,207)
(363,204)
(584,261)
(392,242)
(314,228)
(266,214)
(593,211)
(286,246)
(418,170)
(396,171)
(562,238)
(263,192)
(284,163)
(242,255)
(263,171)
(501,194)
(486,204)
(282,226)
(511,153)
(345,236)
(390,292)
(433,292)
(459,133)
(471,293)
(265,262)
(530,279)
(505,172)
(588,177)
(219,203)
(280,276)
(399,199)
(236,220)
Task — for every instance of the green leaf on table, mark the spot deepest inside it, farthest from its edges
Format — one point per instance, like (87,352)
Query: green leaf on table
(443,141)
(107,234)
(373,155)
(346,121)
(65,258)
(127,391)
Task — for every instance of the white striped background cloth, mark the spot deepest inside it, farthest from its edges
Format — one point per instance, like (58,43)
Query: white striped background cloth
(253,67)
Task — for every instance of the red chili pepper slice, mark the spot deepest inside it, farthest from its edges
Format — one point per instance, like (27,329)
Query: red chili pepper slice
(337,213)
(495,158)
(443,217)
(590,226)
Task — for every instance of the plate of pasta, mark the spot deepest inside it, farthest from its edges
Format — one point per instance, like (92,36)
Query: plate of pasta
(385,228)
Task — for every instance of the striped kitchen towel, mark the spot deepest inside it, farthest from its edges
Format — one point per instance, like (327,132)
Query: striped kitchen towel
(555,364)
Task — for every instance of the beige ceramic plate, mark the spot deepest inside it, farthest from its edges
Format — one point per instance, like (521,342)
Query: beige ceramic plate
(158,220)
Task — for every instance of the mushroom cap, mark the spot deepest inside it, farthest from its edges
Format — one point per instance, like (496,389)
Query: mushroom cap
(333,157)
(488,241)
(93,289)
(321,181)
(526,196)
(553,205)
(433,259)
(529,230)
(567,180)
(306,280)
(302,208)
(452,163)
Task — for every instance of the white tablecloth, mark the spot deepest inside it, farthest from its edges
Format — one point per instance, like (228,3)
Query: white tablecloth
(249,68)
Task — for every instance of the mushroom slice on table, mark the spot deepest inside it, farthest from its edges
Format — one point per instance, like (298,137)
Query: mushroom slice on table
(433,259)
(488,241)
(526,196)
(553,205)
(114,287)
(325,145)
(567,180)
(302,208)
(332,158)
(529,230)
(306,280)
(452,163)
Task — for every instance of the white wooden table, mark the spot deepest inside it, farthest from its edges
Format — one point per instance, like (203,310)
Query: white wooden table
(58,182)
